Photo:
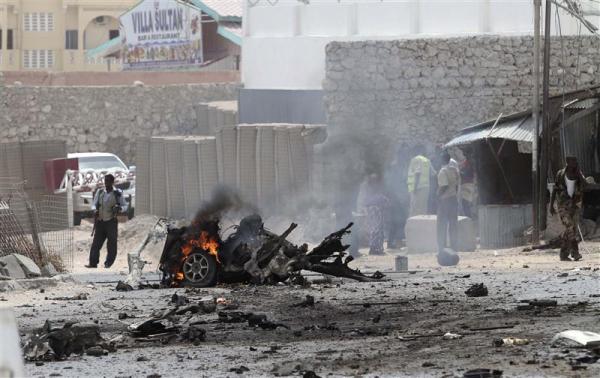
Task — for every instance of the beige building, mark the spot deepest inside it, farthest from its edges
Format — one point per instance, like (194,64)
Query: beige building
(54,35)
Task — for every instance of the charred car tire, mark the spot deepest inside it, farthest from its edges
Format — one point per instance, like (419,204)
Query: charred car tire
(200,269)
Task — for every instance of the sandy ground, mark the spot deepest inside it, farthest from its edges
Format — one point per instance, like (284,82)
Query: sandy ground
(339,336)
(131,235)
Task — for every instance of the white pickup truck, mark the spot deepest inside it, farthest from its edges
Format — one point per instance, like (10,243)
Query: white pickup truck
(92,168)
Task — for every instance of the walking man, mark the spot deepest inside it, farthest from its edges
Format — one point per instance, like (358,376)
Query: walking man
(108,202)
(373,200)
(447,210)
(568,193)
(418,182)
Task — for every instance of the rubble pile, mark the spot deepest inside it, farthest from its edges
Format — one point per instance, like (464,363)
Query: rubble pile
(185,317)
(18,266)
(52,342)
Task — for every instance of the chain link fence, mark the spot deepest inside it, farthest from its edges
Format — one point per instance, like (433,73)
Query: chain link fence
(35,227)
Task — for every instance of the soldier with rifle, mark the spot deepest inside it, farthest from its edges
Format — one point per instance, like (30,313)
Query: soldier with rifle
(568,194)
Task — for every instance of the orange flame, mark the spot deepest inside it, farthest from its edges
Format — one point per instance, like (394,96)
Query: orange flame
(204,242)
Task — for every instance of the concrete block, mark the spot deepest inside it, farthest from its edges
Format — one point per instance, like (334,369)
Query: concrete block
(208,165)
(447,257)
(142,176)
(401,263)
(13,267)
(227,155)
(202,119)
(421,234)
(49,270)
(192,190)
(265,166)
(214,121)
(246,164)
(158,184)
(29,267)
(174,177)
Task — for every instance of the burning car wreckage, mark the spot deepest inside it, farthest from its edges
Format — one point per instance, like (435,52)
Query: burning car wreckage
(196,256)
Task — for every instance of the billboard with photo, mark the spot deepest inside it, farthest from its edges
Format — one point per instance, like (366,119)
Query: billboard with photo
(161,33)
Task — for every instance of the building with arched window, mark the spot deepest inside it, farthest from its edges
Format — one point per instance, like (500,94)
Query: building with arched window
(53,35)
(81,35)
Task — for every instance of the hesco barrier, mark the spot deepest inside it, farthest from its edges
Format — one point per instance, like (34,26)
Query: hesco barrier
(24,161)
(266,163)
(503,226)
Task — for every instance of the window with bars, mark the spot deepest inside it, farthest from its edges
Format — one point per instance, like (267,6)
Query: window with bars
(38,22)
(36,59)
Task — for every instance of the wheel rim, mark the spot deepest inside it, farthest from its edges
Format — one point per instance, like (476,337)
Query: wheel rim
(195,267)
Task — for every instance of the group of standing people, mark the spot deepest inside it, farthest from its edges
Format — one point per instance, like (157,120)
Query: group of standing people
(414,185)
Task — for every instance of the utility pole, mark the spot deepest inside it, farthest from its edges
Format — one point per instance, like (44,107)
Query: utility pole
(537,8)
(546,134)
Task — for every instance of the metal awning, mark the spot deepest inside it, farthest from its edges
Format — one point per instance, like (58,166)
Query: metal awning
(232,31)
(517,127)
(107,48)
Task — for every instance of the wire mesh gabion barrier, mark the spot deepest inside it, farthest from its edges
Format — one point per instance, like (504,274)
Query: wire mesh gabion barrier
(37,228)
(54,229)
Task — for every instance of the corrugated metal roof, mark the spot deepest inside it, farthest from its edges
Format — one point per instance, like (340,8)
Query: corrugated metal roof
(585,104)
(517,127)
(221,10)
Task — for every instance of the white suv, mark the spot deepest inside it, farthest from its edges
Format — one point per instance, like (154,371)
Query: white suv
(92,168)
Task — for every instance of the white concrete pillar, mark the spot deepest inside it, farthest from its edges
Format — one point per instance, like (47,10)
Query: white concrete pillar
(80,29)
(352,11)
(297,21)
(415,17)
(484,16)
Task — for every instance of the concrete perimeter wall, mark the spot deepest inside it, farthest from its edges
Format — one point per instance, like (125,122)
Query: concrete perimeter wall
(41,78)
(426,89)
(105,118)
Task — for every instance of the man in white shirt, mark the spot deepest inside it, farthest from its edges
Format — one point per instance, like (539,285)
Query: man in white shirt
(108,202)
(447,214)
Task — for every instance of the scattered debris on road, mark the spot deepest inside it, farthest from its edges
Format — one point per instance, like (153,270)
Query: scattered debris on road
(483,373)
(584,338)
(51,342)
(510,341)
(477,290)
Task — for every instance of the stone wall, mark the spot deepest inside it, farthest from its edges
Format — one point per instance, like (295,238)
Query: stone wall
(61,79)
(104,118)
(427,89)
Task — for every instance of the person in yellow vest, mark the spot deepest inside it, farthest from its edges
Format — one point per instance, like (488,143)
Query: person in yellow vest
(419,171)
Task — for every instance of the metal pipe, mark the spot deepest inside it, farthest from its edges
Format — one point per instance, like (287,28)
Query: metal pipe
(546,133)
(537,6)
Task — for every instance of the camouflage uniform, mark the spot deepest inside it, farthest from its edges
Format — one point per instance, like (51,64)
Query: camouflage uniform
(568,210)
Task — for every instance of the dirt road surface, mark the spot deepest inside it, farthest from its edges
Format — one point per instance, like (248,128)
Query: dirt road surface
(388,329)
